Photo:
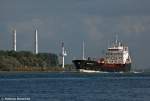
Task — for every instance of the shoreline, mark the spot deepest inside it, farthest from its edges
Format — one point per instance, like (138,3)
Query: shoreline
(38,70)
(72,71)
(13,72)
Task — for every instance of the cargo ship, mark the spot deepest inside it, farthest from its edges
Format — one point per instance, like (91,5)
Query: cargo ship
(115,59)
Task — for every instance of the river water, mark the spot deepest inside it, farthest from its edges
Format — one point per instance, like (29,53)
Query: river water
(69,86)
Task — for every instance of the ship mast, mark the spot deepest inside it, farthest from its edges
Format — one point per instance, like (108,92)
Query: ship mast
(116,39)
(83,51)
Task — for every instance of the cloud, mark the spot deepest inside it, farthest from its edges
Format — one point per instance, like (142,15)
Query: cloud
(92,26)
(98,26)
(94,21)
(133,30)
(95,30)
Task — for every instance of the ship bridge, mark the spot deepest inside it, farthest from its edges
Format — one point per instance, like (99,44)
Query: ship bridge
(117,54)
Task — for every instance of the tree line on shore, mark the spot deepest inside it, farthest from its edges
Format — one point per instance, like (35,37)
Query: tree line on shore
(11,60)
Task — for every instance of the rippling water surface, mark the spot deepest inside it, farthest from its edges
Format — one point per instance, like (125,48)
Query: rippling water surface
(75,86)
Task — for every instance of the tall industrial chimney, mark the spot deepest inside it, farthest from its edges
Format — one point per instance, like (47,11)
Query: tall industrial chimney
(14,40)
(36,42)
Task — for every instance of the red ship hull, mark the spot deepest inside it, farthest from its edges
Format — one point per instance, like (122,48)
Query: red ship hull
(94,65)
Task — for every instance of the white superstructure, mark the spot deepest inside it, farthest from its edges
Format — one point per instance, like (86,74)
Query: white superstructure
(117,54)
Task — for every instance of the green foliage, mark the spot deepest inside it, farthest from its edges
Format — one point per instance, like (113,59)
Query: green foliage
(9,60)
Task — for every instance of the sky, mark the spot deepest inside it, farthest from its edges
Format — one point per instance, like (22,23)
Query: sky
(72,21)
